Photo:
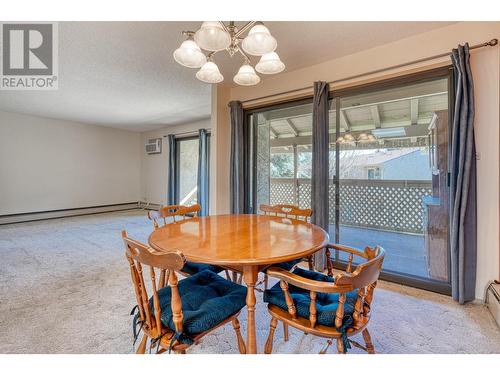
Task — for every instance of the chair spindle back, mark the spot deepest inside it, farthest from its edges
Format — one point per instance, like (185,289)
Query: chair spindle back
(140,256)
(287,211)
(176,212)
(364,279)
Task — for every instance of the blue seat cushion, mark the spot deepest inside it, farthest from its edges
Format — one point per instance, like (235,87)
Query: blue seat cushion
(207,300)
(285,265)
(191,268)
(326,303)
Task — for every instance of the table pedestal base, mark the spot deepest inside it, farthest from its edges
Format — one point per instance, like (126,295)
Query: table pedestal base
(250,278)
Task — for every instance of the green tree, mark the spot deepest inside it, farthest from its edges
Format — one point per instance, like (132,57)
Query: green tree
(281,165)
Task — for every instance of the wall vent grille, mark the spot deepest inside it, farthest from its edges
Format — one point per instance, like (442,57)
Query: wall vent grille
(153,146)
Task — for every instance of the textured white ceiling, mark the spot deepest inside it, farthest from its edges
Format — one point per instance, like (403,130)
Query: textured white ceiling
(123,75)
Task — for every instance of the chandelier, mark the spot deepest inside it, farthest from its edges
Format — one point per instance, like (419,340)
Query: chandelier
(214,36)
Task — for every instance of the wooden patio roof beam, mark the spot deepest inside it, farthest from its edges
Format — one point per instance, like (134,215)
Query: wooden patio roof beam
(414,111)
(344,121)
(375,116)
(292,127)
(273,132)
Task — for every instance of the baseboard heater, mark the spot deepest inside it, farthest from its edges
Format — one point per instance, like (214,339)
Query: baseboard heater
(55,214)
(149,206)
(492,300)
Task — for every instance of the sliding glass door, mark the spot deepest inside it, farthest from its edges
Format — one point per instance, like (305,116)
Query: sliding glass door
(388,170)
(393,168)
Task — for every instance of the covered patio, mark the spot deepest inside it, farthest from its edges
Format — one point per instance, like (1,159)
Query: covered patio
(388,213)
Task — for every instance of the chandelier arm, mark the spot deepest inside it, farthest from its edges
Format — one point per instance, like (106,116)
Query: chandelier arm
(188,34)
(247,60)
(225,27)
(245,28)
(210,55)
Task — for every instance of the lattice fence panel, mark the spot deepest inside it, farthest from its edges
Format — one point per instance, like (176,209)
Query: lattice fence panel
(396,208)
(304,195)
(282,193)
(379,204)
(331,203)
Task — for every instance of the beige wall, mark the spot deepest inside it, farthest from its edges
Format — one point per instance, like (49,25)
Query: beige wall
(48,164)
(154,167)
(486,65)
(485,69)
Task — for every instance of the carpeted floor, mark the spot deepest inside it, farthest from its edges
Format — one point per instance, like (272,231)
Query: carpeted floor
(65,288)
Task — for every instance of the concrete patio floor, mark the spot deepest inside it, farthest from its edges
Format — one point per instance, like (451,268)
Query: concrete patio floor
(405,252)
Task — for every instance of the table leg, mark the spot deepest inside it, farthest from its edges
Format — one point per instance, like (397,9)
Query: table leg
(250,278)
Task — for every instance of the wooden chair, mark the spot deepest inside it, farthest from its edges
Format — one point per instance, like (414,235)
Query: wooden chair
(176,212)
(336,308)
(291,212)
(209,300)
(180,213)
(288,211)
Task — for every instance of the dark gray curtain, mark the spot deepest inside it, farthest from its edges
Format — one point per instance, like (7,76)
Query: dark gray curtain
(319,180)
(171,169)
(463,182)
(237,159)
(203,172)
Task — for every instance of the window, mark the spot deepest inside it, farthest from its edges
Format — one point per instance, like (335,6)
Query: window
(283,157)
(187,161)
(187,170)
(373,173)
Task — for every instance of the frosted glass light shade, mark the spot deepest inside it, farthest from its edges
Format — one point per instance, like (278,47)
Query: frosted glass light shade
(190,55)
(209,73)
(270,63)
(366,138)
(246,76)
(259,41)
(212,37)
(348,137)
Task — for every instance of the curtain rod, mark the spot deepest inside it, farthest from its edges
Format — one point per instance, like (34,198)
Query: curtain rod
(491,43)
(192,132)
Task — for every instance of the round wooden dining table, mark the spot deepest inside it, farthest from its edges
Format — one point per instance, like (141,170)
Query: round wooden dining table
(247,243)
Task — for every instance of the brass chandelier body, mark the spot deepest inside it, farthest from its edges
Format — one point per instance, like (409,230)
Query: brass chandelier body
(216,36)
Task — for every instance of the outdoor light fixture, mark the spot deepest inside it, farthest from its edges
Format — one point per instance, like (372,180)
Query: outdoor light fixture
(215,36)
(366,138)
(348,138)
